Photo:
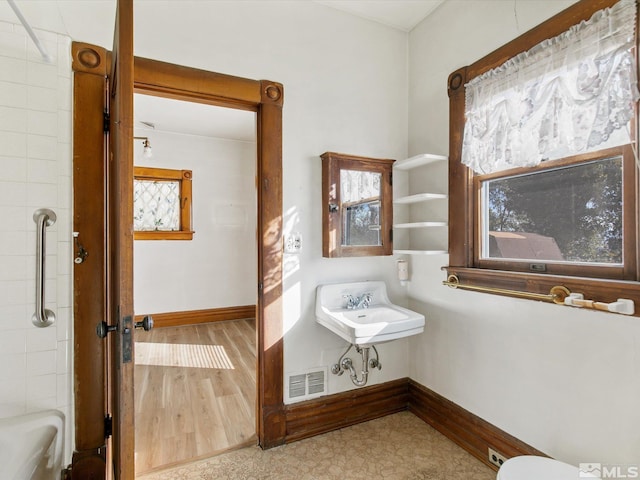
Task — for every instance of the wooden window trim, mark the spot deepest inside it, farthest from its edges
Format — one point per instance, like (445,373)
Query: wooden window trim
(186,223)
(463,224)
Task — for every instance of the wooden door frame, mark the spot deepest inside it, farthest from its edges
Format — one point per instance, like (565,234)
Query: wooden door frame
(184,83)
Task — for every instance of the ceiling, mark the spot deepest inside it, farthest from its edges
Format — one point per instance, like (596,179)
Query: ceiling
(400,14)
(88,19)
(168,115)
(92,20)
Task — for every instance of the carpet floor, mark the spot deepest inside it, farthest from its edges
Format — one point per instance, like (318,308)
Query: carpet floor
(395,447)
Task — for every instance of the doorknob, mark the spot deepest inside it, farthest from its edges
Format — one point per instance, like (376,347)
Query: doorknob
(146,324)
(125,342)
(102,329)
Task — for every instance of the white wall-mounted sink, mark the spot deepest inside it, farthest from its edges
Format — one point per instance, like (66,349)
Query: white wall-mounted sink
(381,322)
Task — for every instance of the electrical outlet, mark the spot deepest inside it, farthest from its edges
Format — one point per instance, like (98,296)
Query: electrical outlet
(297,242)
(496,458)
(292,243)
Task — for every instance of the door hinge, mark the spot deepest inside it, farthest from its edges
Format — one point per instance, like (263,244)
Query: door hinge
(106,120)
(391,234)
(108,426)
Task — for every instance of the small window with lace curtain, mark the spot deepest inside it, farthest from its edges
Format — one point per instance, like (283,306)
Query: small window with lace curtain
(162,204)
(543,174)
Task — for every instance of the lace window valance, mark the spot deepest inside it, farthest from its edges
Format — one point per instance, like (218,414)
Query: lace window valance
(567,95)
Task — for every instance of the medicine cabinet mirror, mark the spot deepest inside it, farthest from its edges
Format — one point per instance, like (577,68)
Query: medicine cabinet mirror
(357,210)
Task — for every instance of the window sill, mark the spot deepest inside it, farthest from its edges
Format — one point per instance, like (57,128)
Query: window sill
(601,290)
(159,235)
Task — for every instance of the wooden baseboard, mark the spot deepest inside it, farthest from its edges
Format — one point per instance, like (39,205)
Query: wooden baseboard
(475,435)
(464,428)
(313,417)
(193,317)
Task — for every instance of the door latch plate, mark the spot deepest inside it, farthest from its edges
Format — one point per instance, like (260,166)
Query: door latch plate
(127,327)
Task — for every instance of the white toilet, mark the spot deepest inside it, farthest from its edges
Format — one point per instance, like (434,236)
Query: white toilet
(530,467)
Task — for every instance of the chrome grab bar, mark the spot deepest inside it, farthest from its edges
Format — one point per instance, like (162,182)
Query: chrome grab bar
(43,218)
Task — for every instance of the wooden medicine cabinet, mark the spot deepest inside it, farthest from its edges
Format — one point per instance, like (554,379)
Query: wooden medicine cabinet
(357,209)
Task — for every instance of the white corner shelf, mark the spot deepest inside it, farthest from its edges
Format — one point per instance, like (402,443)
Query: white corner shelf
(420,225)
(419,252)
(418,161)
(420,197)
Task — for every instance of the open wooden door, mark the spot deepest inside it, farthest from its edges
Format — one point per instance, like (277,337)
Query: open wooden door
(120,245)
(103,216)
(103,278)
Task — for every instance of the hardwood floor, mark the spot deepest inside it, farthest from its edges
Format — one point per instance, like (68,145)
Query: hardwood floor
(195,391)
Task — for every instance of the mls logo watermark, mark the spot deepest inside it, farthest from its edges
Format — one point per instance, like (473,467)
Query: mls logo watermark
(612,471)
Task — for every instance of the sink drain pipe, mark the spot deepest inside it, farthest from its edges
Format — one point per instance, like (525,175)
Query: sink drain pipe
(346,364)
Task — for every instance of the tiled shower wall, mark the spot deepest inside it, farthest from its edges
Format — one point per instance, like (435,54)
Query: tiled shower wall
(35,172)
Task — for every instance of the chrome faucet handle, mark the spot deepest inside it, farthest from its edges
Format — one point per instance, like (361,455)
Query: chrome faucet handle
(351,302)
(364,300)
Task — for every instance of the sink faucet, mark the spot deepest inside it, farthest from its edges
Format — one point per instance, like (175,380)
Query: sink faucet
(356,303)
(364,301)
(351,301)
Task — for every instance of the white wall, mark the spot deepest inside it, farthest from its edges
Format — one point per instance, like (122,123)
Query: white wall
(565,381)
(345,82)
(345,85)
(35,172)
(218,268)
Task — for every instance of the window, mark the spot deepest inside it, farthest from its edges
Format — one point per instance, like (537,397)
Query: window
(162,204)
(531,209)
(564,217)
(566,214)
